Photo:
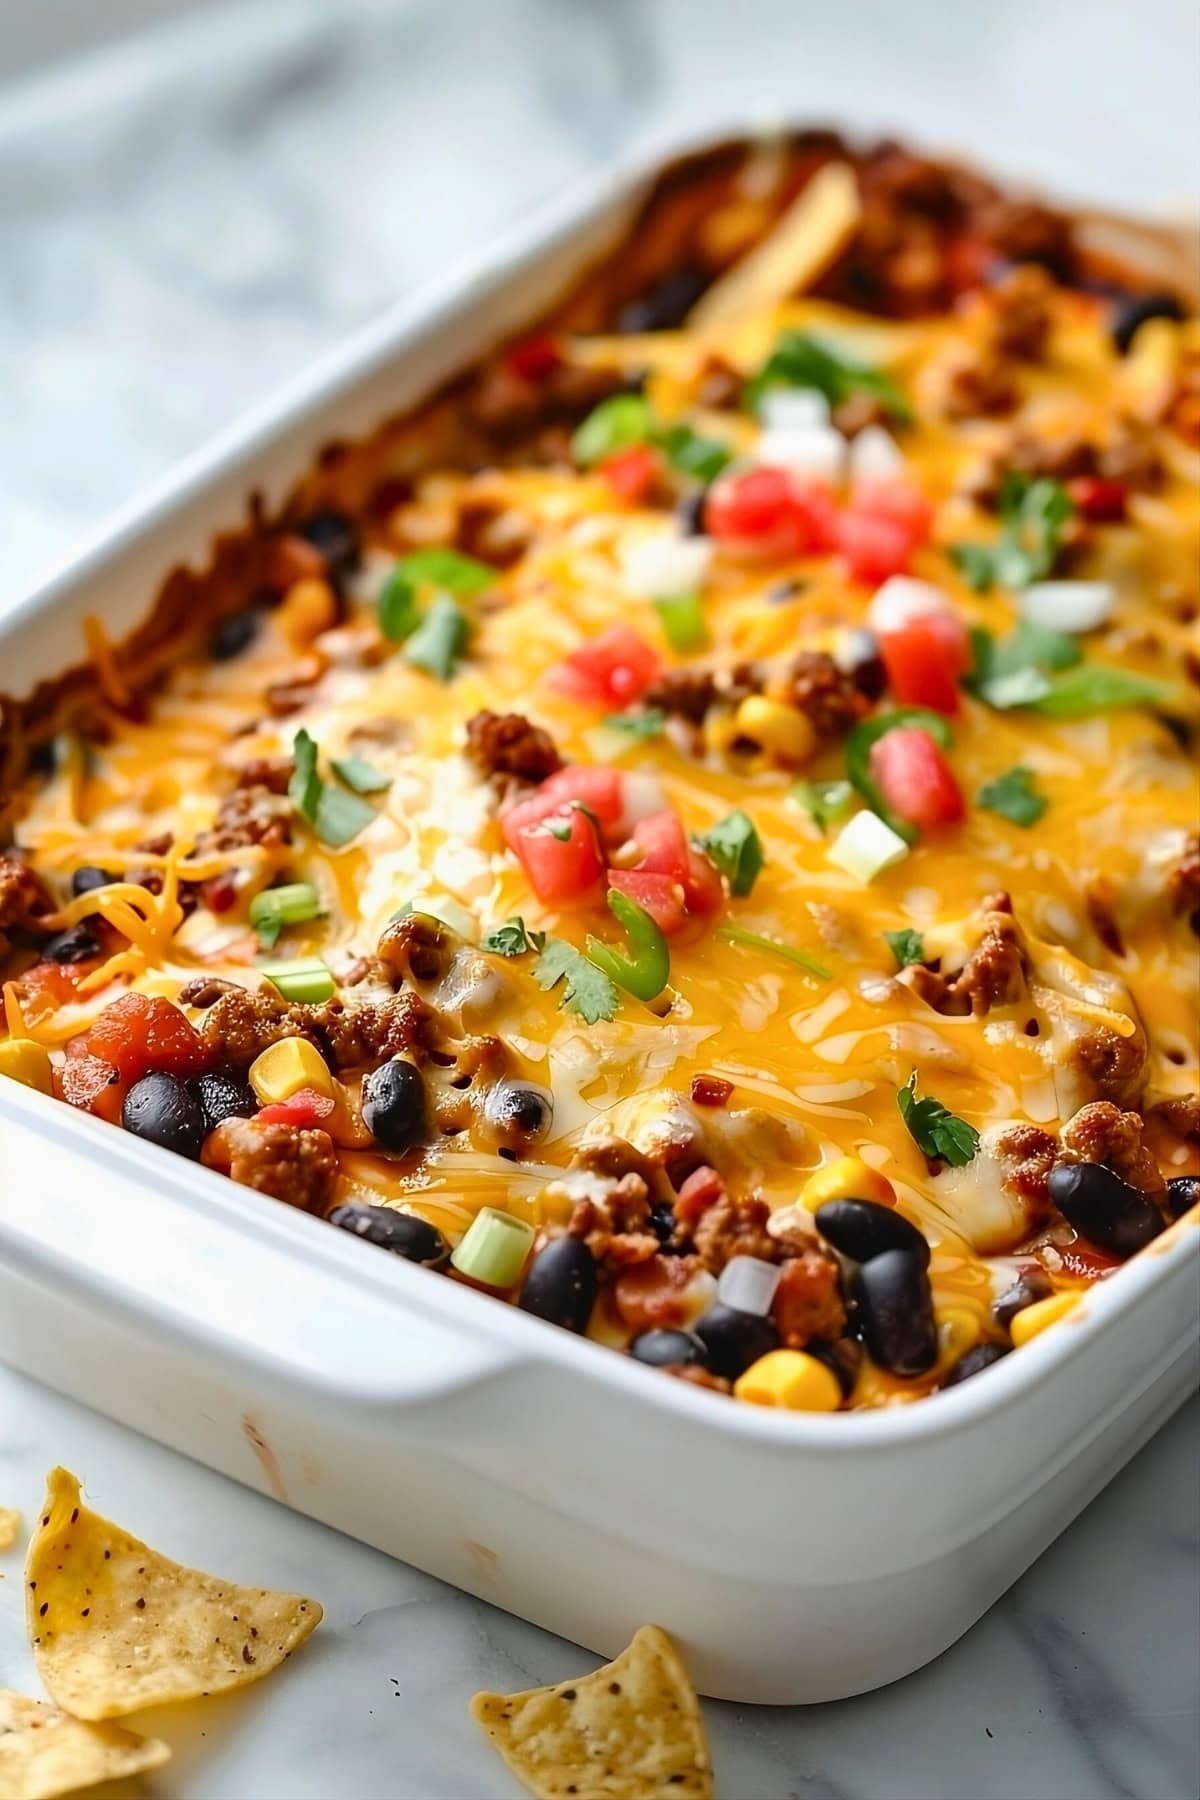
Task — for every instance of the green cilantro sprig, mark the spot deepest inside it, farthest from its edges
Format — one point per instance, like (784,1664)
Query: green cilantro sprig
(1033,515)
(586,990)
(1014,796)
(906,946)
(800,360)
(513,938)
(336,815)
(735,848)
(934,1129)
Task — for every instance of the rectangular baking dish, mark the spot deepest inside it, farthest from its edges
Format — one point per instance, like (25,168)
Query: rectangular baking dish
(796,1558)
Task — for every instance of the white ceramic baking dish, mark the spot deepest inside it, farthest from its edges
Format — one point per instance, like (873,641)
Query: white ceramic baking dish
(796,1558)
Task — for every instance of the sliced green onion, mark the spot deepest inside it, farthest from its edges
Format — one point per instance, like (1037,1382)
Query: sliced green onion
(647,724)
(306,980)
(753,940)
(618,422)
(396,608)
(858,759)
(645,973)
(341,816)
(682,618)
(448,569)
(493,1248)
(439,639)
(359,774)
(276,907)
(866,846)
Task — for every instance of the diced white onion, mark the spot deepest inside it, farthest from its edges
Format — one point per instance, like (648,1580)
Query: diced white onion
(748,1283)
(903,598)
(642,795)
(793,409)
(1068,605)
(865,846)
(815,452)
(664,564)
(875,455)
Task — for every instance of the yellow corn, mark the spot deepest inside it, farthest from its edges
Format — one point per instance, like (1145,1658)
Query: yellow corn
(849,1178)
(308,608)
(958,1331)
(282,1069)
(792,1380)
(1034,1319)
(24,1061)
(720,731)
(777,728)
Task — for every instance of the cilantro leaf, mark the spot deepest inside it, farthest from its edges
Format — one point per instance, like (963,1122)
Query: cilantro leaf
(801,360)
(513,938)
(396,608)
(906,946)
(1097,687)
(586,990)
(646,724)
(439,639)
(934,1129)
(691,453)
(1032,517)
(825,802)
(451,571)
(304,788)
(340,816)
(1014,796)
(359,774)
(735,848)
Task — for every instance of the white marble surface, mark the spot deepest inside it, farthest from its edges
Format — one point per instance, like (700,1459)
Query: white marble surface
(185,218)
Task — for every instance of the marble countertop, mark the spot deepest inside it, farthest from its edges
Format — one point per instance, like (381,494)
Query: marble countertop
(188,215)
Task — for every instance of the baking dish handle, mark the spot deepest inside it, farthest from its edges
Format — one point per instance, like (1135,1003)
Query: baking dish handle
(142,1236)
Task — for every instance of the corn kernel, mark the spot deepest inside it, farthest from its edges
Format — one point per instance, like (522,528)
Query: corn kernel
(848,1178)
(720,731)
(779,729)
(958,1329)
(24,1061)
(1031,1320)
(308,608)
(282,1069)
(792,1380)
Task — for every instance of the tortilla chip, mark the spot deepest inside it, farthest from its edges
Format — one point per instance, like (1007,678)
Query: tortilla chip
(115,1626)
(631,1731)
(44,1752)
(10,1527)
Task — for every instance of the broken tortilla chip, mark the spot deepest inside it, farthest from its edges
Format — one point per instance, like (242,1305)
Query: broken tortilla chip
(44,1752)
(10,1527)
(630,1731)
(115,1626)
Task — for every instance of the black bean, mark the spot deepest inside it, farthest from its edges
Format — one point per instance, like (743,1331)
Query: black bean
(223,1097)
(1130,314)
(665,1349)
(893,1294)
(1033,1285)
(662,1221)
(690,513)
(858,656)
(1183,1192)
(862,1229)
(160,1109)
(666,304)
(974,1362)
(234,634)
(520,1112)
(77,944)
(734,1339)
(336,537)
(87,879)
(843,1356)
(43,758)
(1104,1209)
(561,1284)
(393,1104)
(404,1234)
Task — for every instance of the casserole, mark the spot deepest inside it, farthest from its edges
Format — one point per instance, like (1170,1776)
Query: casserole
(446,1403)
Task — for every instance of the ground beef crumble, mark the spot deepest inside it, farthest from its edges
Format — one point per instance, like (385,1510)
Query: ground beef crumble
(994,974)
(297,1166)
(23,901)
(508,748)
(1101,1133)
(830,699)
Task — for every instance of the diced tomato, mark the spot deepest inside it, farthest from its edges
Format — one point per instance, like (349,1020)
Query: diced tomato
(306,1107)
(702,1189)
(914,777)
(593,785)
(899,501)
(221,892)
(925,660)
(659,895)
(1101,502)
(141,1032)
(966,260)
(632,472)
(613,670)
(872,547)
(534,358)
(47,986)
(653,1293)
(666,851)
(1081,1261)
(767,512)
(91,1084)
(559,853)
